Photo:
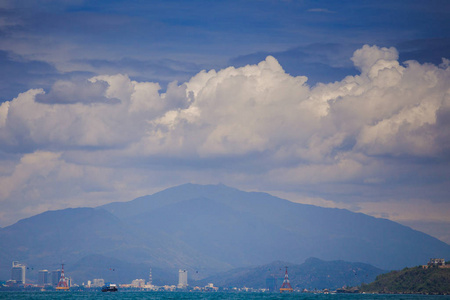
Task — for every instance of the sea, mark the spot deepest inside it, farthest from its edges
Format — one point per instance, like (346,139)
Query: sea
(208,296)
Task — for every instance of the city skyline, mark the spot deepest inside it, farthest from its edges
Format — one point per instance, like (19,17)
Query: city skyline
(317,277)
(46,280)
(342,105)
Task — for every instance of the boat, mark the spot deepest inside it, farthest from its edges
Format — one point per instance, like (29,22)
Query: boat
(109,287)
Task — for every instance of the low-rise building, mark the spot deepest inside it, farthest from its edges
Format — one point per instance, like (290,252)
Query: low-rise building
(436,262)
(98,282)
(139,283)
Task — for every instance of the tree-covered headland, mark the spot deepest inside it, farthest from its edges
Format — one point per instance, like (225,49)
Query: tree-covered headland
(433,280)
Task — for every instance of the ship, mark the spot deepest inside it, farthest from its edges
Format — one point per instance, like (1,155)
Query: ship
(109,287)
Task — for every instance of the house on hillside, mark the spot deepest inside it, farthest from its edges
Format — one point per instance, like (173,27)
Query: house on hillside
(436,262)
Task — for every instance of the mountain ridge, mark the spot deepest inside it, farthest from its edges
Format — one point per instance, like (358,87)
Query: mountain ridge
(385,235)
(313,273)
(212,229)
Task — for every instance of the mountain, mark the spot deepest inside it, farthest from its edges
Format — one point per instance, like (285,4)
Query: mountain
(249,228)
(65,236)
(416,280)
(72,235)
(54,235)
(312,274)
(208,229)
(115,270)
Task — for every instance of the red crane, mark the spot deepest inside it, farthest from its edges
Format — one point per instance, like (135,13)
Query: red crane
(62,284)
(286,286)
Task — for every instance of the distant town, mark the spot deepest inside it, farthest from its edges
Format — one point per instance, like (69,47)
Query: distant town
(57,280)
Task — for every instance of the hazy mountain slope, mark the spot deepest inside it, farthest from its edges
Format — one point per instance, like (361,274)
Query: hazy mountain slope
(115,270)
(77,232)
(215,230)
(209,229)
(312,274)
(46,240)
(295,231)
(173,195)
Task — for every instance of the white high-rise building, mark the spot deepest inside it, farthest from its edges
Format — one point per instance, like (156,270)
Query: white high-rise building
(18,272)
(182,279)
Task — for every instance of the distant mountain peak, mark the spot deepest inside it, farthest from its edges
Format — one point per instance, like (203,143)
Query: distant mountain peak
(215,228)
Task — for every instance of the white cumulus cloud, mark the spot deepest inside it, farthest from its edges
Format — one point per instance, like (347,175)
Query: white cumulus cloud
(254,126)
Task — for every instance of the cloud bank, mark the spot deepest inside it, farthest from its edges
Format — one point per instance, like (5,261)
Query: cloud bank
(373,135)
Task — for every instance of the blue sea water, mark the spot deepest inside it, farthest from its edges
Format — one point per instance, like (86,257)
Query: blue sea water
(206,296)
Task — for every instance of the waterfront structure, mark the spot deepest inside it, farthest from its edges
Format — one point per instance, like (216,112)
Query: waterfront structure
(210,288)
(98,282)
(18,272)
(43,278)
(286,286)
(272,283)
(139,283)
(182,279)
(62,284)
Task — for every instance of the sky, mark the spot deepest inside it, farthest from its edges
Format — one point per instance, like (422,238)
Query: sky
(341,104)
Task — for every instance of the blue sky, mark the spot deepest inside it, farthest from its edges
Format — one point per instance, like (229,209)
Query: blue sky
(334,103)
(173,40)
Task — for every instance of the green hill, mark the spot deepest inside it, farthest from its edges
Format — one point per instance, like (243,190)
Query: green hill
(415,280)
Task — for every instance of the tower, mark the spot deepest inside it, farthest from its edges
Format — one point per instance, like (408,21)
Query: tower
(182,279)
(150,279)
(62,284)
(56,274)
(286,286)
(18,272)
(43,278)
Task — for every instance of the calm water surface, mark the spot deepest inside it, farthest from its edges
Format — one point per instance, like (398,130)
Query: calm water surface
(206,296)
